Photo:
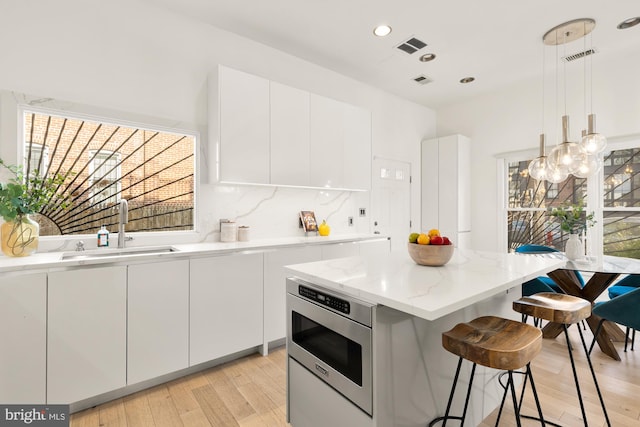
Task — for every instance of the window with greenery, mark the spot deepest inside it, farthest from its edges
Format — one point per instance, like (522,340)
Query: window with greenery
(152,169)
(529,202)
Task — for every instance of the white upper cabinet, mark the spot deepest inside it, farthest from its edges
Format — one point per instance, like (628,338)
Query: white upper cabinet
(289,135)
(275,134)
(327,136)
(244,127)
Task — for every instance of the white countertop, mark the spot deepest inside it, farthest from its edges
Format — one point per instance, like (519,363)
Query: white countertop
(47,260)
(395,281)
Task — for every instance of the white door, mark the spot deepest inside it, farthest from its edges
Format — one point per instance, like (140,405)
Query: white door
(391,200)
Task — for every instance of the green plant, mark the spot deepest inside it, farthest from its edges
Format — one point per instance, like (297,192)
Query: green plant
(572,217)
(26,195)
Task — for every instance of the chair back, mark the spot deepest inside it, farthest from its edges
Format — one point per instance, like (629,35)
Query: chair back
(622,309)
(534,249)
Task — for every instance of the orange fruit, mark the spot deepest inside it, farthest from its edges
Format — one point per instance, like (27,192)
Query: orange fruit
(423,239)
(433,232)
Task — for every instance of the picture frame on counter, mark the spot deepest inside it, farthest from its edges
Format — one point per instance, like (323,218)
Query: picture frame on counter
(308,219)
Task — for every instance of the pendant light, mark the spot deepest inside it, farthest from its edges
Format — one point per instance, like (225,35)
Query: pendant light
(568,157)
(593,142)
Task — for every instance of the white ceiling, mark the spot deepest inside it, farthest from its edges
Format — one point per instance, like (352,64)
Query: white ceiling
(499,42)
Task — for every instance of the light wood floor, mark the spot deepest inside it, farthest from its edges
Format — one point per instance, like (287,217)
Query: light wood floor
(251,392)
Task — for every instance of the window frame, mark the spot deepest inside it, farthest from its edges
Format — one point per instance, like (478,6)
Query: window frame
(113,117)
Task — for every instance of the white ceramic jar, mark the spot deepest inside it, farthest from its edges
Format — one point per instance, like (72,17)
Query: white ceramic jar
(228,231)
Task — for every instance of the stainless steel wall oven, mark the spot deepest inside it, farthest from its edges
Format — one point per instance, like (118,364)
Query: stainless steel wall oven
(330,334)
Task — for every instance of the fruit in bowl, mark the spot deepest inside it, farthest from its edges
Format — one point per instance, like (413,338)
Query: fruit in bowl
(430,248)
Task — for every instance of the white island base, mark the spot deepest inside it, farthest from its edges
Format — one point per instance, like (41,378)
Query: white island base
(412,375)
(413,305)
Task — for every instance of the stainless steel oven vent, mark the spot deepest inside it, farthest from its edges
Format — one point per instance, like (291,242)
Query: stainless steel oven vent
(422,79)
(411,46)
(579,55)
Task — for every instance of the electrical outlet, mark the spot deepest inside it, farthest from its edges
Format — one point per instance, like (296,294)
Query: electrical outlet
(363,212)
(350,220)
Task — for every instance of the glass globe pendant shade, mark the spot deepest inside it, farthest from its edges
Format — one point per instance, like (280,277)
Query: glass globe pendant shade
(538,166)
(566,155)
(587,167)
(555,174)
(593,142)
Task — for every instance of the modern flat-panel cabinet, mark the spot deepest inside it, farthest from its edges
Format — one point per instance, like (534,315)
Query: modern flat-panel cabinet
(244,127)
(340,250)
(374,247)
(87,333)
(226,305)
(271,133)
(446,187)
(289,157)
(275,326)
(157,319)
(23,333)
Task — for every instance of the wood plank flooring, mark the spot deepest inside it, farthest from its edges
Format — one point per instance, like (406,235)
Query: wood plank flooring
(250,392)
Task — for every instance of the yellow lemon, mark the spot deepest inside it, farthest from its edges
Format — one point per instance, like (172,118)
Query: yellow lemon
(423,239)
(413,237)
(433,232)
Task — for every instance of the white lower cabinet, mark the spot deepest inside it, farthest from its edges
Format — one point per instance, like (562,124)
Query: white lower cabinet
(86,346)
(375,247)
(226,305)
(275,326)
(340,250)
(158,319)
(23,333)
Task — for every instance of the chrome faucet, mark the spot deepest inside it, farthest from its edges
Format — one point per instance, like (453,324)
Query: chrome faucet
(123,218)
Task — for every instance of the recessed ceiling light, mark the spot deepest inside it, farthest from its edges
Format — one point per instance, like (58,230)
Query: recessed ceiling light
(428,57)
(382,30)
(467,80)
(628,23)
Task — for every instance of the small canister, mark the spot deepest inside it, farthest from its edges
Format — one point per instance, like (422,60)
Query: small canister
(243,233)
(228,231)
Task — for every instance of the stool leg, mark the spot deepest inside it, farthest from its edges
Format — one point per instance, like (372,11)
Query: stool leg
(514,399)
(595,381)
(535,394)
(453,389)
(504,397)
(575,374)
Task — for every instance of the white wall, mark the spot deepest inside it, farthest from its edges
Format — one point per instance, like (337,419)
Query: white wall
(511,120)
(134,58)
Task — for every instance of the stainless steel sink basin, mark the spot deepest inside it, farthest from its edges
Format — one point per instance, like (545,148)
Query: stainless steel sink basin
(106,253)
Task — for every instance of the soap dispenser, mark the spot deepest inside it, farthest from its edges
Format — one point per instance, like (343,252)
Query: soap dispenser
(103,237)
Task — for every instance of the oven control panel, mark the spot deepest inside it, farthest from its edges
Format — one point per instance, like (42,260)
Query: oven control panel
(324,299)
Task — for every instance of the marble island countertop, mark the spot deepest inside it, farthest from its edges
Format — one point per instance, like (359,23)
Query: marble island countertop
(131,253)
(427,292)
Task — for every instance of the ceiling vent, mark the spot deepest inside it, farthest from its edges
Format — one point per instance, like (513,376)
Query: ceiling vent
(411,46)
(422,79)
(579,55)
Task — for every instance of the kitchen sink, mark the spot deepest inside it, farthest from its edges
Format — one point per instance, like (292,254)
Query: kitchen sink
(106,253)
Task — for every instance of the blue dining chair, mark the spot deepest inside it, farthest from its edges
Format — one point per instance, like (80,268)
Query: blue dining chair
(624,286)
(622,310)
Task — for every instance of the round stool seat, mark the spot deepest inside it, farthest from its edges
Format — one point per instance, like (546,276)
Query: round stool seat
(494,342)
(557,308)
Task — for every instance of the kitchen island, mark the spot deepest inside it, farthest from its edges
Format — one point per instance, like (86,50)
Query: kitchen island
(410,307)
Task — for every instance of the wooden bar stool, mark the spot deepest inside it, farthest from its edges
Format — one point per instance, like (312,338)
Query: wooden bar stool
(496,343)
(565,310)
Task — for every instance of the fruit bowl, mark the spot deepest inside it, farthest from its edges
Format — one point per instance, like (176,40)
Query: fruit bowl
(431,255)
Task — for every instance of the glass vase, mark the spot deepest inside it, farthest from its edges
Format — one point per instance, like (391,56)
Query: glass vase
(573,248)
(20,236)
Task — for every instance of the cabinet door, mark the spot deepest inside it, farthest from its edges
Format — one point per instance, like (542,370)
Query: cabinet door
(86,345)
(244,127)
(289,135)
(23,333)
(226,305)
(430,184)
(275,326)
(357,148)
(340,250)
(327,135)
(375,247)
(158,319)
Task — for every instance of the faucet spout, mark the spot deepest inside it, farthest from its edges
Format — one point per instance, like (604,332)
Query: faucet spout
(123,218)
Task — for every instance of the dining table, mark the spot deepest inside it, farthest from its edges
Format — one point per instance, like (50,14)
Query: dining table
(604,270)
